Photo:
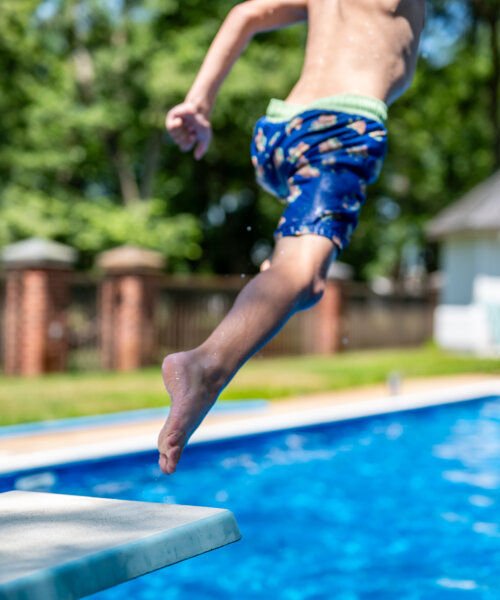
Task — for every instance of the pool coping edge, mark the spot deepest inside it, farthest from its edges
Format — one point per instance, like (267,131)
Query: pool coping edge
(254,424)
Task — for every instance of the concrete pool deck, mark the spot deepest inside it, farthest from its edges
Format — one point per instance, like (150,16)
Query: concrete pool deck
(39,450)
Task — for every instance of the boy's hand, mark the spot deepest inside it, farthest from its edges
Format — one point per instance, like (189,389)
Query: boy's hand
(188,126)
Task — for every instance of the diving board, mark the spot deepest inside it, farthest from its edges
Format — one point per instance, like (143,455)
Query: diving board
(60,547)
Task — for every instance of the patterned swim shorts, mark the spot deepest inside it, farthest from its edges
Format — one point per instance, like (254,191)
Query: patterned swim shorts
(319,160)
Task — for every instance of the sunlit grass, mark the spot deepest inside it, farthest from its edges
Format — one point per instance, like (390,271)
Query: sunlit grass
(78,394)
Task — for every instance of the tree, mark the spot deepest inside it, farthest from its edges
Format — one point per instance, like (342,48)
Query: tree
(443,137)
(82,132)
(84,158)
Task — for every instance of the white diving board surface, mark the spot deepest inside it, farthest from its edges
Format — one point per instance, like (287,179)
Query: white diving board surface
(59,547)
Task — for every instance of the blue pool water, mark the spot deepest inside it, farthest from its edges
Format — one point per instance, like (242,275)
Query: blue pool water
(401,506)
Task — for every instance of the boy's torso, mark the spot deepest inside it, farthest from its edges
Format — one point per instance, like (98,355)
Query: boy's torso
(366,47)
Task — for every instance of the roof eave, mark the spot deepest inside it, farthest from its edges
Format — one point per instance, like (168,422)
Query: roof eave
(436,233)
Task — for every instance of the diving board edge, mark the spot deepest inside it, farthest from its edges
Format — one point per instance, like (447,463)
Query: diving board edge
(86,575)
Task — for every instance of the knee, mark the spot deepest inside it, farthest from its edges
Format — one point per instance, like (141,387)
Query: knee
(304,284)
(312,291)
(303,263)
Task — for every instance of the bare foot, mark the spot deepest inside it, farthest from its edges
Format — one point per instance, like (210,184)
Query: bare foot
(193,392)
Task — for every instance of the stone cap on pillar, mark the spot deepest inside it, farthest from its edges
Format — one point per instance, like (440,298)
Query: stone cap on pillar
(38,252)
(130,258)
(339,270)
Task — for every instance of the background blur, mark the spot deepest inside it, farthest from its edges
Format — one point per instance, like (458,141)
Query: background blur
(84,158)
(85,161)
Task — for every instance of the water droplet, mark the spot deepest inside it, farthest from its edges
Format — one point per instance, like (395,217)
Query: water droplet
(243,275)
(221,496)
(345,340)
(249,228)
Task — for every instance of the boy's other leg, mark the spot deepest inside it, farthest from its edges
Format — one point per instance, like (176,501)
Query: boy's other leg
(194,379)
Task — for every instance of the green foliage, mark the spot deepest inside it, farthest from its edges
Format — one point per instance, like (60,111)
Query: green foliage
(441,144)
(93,226)
(86,85)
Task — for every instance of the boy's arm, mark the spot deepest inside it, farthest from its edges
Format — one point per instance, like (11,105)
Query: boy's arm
(188,122)
(242,23)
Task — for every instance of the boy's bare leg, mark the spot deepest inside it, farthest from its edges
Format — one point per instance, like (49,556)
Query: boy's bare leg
(194,379)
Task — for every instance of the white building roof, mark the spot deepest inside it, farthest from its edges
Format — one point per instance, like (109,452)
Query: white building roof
(478,210)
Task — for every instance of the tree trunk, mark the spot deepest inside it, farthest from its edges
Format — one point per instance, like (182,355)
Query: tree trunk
(495,83)
(489,12)
(124,170)
(150,164)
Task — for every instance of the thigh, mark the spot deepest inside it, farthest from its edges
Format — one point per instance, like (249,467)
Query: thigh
(326,204)
(305,253)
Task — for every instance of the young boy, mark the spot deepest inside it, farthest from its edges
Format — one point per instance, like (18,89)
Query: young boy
(317,151)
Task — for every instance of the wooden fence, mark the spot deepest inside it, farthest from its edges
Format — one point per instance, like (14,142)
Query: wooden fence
(370,320)
(186,310)
(84,324)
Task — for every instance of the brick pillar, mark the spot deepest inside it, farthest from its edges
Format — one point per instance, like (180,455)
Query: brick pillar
(37,298)
(12,320)
(127,299)
(327,320)
(107,313)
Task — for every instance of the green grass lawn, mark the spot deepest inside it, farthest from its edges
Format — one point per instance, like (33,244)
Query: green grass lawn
(78,394)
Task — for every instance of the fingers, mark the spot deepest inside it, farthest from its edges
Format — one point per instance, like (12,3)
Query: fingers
(199,151)
(173,123)
(187,141)
(179,129)
(204,137)
(174,117)
(201,147)
(184,137)
(183,134)
(189,128)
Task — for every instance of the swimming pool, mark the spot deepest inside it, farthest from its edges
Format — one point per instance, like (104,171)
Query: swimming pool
(404,505)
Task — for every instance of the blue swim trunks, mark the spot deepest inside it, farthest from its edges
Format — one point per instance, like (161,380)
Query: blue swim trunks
(318,160)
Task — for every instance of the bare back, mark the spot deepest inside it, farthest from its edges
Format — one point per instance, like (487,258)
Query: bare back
(366,47)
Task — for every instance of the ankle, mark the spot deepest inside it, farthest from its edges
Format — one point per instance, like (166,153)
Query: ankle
(213,373)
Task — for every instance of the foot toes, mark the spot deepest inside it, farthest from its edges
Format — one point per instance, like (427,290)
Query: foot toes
(174,454)
(163,463)
(170,470)
(169,456)
(173,457)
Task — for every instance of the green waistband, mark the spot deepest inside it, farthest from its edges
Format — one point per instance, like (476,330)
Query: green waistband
(366,106)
